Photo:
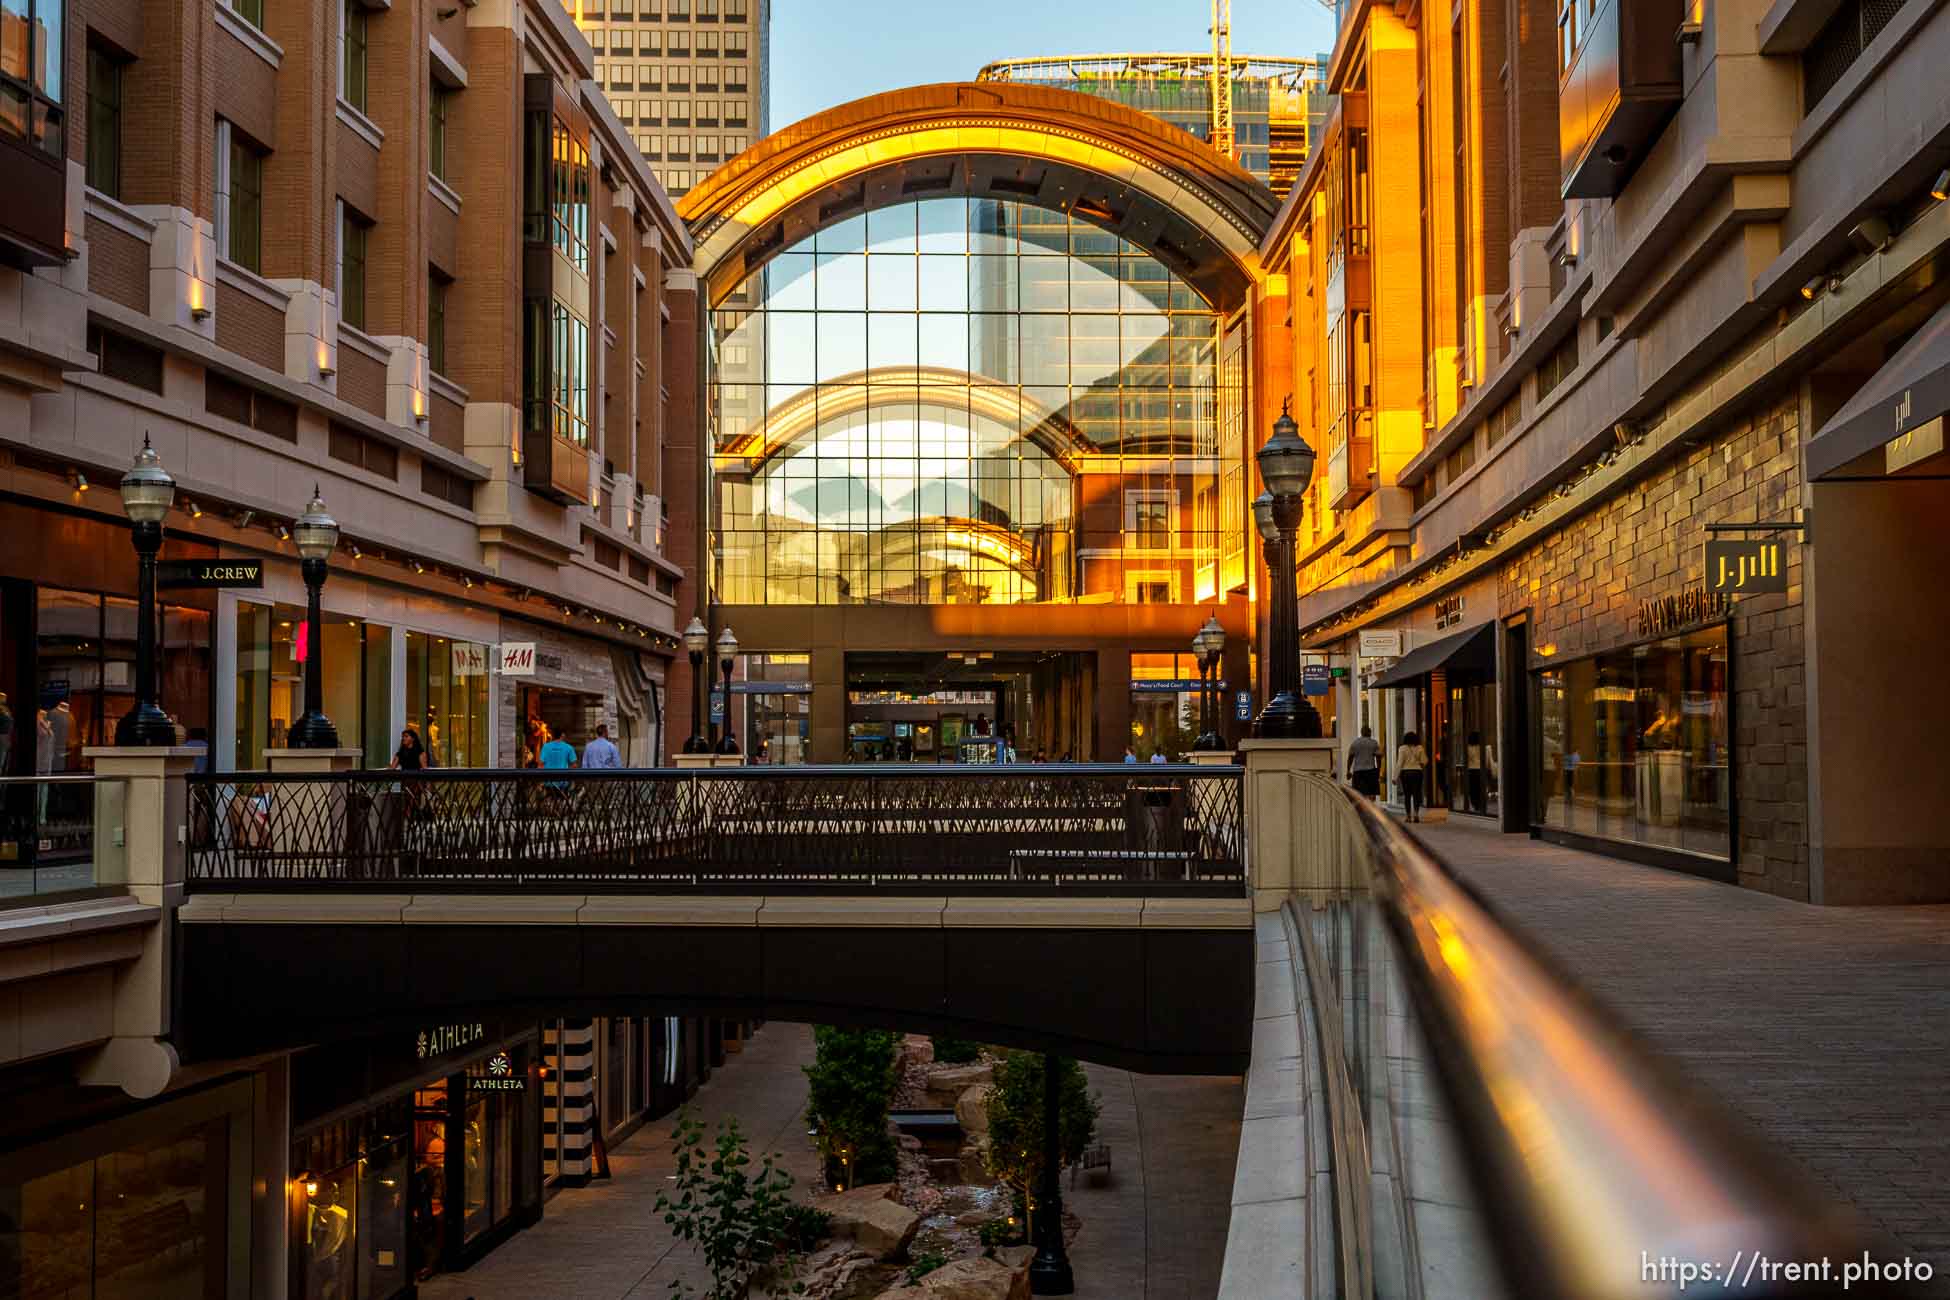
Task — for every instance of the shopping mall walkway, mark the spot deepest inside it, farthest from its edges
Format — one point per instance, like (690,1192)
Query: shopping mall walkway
(1828,1028)
(1156,1230)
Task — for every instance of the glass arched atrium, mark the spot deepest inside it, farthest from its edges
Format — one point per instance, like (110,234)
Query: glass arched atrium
(970,401)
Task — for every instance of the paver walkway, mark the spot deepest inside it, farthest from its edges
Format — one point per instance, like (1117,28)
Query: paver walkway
(1828,1028)
(1156,1231)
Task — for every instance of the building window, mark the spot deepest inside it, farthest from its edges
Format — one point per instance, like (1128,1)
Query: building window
(569,197)
(438,102)
(444,485)
(368,453)
(678,45)
(251,11)
(104,122)
(1557,367)
(569,395)
(120,357)
(226,397)
(353,232)
(356,36)
(240,198)
(30,81)
(437,322)
(1840,43)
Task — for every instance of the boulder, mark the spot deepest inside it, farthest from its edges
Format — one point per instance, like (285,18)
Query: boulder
(944,1169)
(972,1112)
(1016,1257)
(870,1217)
(918,1049)
(951,1081)
(975,1278)
(975,1161)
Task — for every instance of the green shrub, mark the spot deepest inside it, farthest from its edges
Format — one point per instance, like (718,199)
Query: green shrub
(851,1088)
(925,1263)
(1015,1110)
(739,1220)
(955,1051)
(806,1227)
(1001,1232)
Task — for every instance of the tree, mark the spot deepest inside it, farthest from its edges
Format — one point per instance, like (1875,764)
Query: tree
(955,1051)
(1015,1111)
(851,1090)
(743,1223)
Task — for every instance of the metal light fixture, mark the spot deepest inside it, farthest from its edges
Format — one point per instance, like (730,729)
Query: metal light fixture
(727,658)
(1940,190)
(147,493)
(1286,466)
(697,640)
(1209,646)
(284,534)
(79,481)
(317,535)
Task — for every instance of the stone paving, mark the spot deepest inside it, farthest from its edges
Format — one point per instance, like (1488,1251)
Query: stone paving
(1156,1230)
(1828,1028)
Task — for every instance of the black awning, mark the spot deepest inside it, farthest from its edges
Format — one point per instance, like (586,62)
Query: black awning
(1473,651)
(1912,388)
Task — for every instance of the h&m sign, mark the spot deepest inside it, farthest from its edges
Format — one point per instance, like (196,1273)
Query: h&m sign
(1664,614)
(520,659)
(1746,568)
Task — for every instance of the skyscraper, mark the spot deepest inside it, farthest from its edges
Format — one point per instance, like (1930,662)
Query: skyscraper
(690,78)
(1276,103)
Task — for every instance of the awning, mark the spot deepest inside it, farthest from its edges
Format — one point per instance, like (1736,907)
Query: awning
(1911,389)
(1473,651)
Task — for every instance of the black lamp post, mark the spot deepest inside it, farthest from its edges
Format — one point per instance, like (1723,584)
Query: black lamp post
(727,656)
(1286,467)
(317,536)
(1049,1272)
(697,640)
(1209,644)
(147,493)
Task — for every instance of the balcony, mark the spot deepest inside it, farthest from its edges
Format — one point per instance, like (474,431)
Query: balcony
(554,467)
(1350,465)
(1622,79)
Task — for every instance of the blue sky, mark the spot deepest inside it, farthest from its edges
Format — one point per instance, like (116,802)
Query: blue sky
(826,52)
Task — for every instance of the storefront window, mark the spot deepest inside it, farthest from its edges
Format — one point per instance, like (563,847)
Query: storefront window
(547,714)
(776,701)
(85,673)
(1634,745)
(148,1220)
(429,1176)
(352,1180)
(273,645)
(447,698)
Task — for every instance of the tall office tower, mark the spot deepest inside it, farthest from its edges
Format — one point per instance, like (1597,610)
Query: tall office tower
(691,79)
(1277,104)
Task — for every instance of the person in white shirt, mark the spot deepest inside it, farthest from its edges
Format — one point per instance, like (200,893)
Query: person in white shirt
(1158,756)
(601,752)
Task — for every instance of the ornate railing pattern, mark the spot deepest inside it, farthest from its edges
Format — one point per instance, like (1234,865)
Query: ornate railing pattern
(1080,828)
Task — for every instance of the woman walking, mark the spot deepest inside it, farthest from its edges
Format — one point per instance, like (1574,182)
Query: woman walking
(1411,761)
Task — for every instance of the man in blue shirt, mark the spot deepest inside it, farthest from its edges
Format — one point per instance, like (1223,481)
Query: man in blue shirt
(601,752)
(558,754)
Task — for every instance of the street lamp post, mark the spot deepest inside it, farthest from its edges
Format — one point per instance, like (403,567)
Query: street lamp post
(727,656)
(697,640)
(1049,1271)
(317,536)
(1286,467)
(147,494)
(1209,645)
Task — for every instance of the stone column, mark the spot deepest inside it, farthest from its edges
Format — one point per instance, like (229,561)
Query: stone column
(318,821)
(1279,839)
(142,792)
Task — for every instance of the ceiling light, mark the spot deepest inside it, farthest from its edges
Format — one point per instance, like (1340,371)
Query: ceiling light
(244,518)
(1812,289)
(284,534)
(419,567)
(196,511)
(78,480)
(356,553)
(466,581)
(1941,190)
(1871,234)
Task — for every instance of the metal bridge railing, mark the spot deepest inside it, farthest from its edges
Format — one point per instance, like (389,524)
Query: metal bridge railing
(1018,828)
(1481,1129)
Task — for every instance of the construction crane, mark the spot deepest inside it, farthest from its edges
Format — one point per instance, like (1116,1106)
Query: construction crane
(1223,138)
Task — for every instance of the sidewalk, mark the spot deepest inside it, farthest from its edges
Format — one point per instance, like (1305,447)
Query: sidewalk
(1158,1229)
(1828,1028)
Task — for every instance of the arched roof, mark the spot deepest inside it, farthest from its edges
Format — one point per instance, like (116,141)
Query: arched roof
(1152,183)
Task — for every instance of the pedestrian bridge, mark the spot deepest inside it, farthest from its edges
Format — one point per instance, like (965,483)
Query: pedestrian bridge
(1100,911)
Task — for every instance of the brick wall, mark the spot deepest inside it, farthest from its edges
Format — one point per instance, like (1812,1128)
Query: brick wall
(1583,584)
(247,90)
(118,266)
(362,381)
(445,424)
(250,327)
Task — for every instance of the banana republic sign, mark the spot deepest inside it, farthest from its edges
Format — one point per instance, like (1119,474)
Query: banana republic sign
(1746,568)
(1663,614)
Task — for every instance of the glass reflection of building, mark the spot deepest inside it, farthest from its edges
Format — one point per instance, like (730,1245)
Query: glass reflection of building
(966,401)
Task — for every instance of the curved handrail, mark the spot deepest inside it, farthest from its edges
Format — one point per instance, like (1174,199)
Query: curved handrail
(1592,1156)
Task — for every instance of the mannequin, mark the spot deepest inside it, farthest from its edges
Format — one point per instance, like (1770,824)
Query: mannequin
(328,1229)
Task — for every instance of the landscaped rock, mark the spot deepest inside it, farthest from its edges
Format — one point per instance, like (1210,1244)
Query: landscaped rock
(872,1218)
(944,1169)
(951,1081)
(972,1111)
(967,1279)
(1016,1257)
(975,1160)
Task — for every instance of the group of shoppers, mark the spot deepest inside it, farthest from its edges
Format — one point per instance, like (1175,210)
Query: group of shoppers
(1411,770)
